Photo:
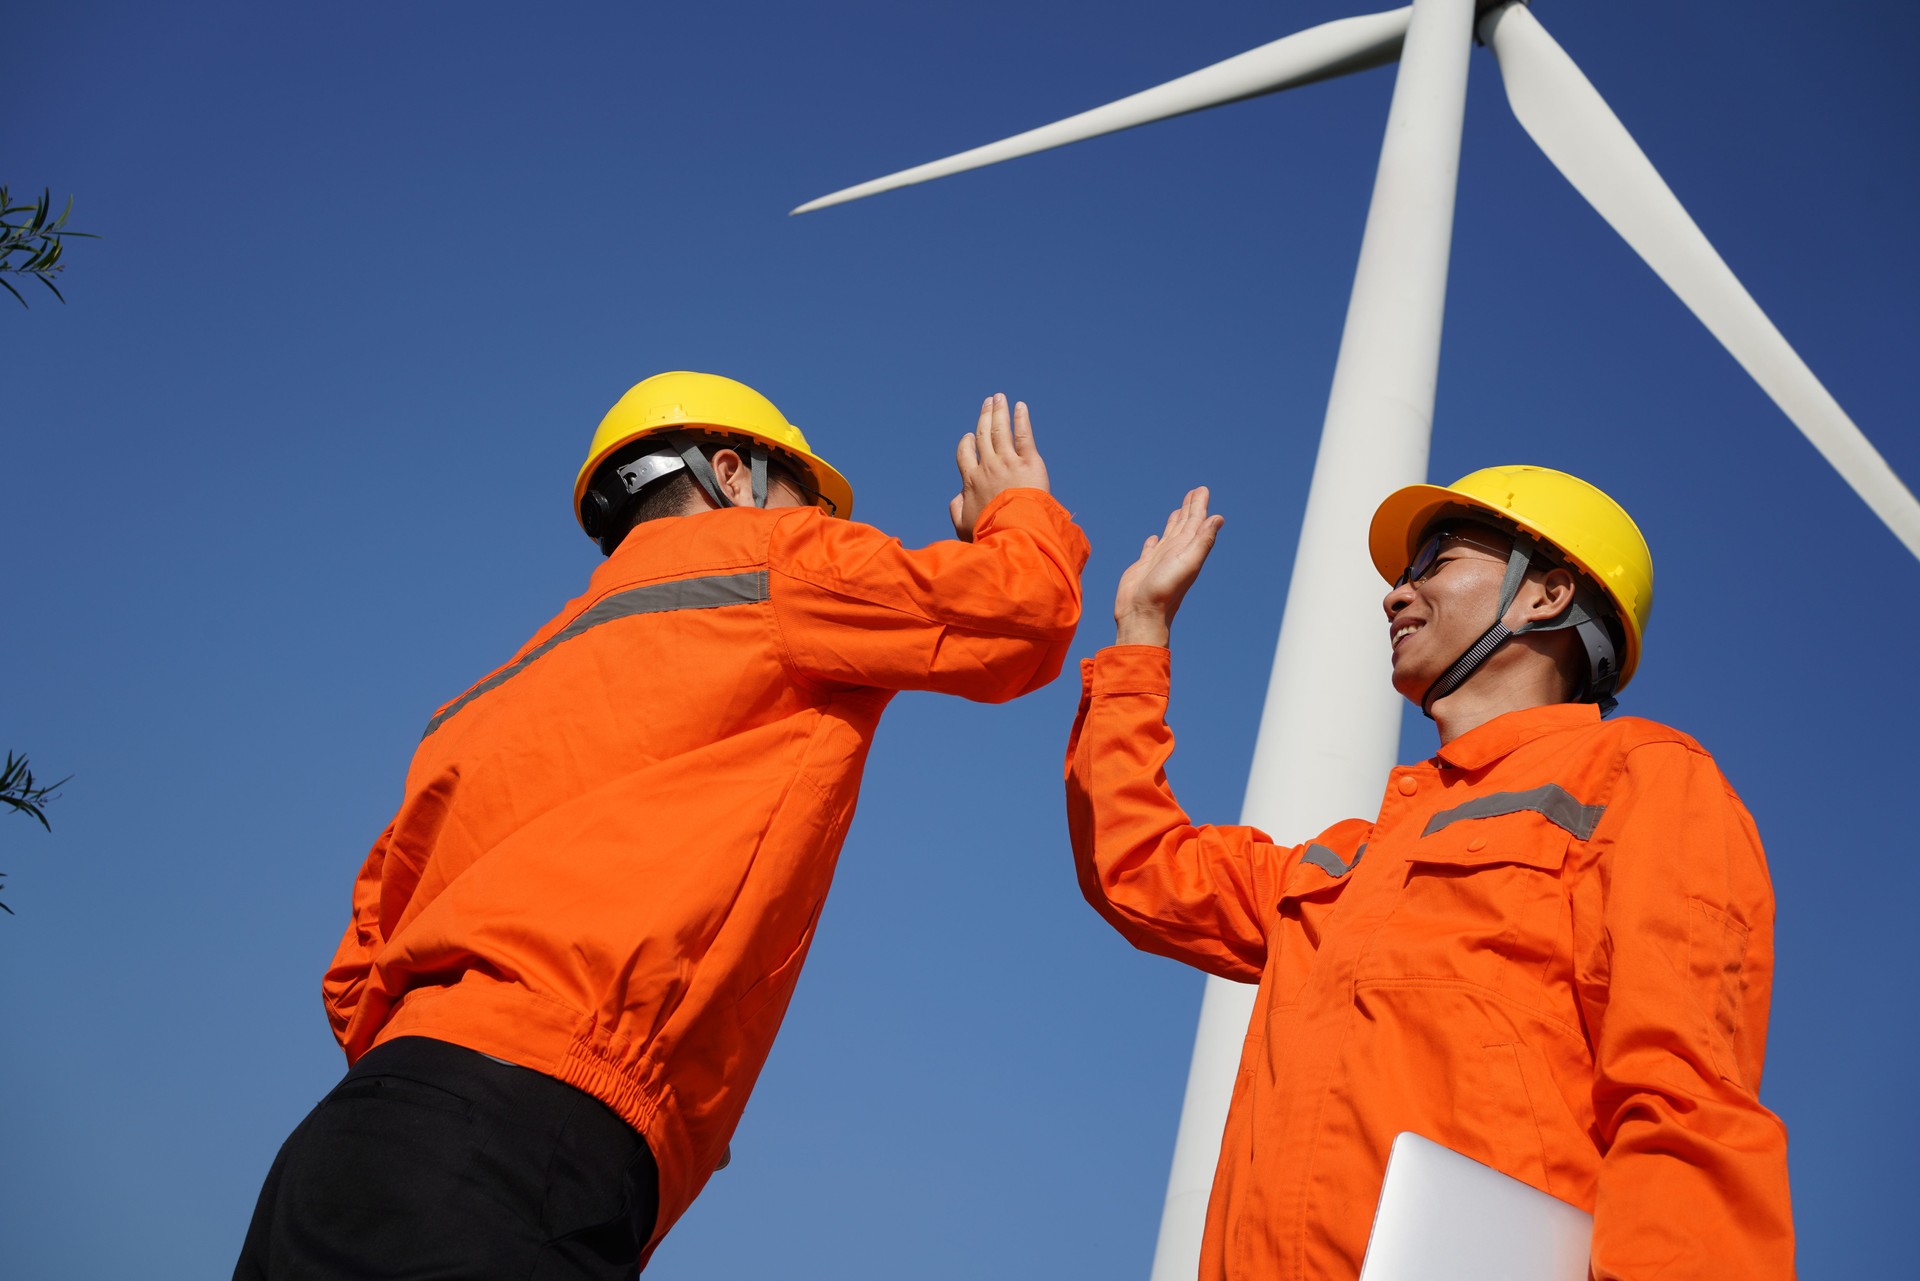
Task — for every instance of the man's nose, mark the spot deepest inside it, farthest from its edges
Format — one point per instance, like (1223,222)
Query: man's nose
(1398,599)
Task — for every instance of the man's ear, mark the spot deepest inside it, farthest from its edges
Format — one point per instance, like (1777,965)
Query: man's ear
(1542,598)
(736,480)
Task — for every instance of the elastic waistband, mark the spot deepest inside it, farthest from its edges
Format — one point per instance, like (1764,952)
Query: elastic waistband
(519,1095)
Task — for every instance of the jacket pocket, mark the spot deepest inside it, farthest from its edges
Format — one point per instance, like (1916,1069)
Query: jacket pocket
(1716,963)
(1482,901)
(777,984)
(1523,839)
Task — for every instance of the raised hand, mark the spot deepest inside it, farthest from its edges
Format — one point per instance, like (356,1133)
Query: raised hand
(1151,590)
(997,455)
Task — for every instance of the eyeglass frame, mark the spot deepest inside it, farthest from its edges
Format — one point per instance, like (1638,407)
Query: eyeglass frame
(1416,572)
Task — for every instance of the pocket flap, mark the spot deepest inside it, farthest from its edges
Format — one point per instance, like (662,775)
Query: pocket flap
(1526,838)
(1319,868)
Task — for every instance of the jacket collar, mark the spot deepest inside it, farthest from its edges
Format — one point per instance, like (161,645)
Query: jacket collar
(1484,744)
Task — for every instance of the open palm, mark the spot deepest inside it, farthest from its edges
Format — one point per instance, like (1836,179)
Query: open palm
(1153,586)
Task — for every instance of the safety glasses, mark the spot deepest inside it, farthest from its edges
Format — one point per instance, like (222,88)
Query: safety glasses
(1422,564)
(1427,559)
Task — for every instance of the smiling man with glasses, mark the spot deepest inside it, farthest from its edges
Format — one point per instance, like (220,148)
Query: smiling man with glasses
(1551,950)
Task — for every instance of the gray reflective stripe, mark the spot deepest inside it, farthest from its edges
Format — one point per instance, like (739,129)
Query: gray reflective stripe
(711,592)
(1329,862)
(1549,800)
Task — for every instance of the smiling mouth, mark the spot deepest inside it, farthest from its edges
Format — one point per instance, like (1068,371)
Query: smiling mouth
(1403,631)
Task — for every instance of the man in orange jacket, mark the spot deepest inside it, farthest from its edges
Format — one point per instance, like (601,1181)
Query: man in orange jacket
(571,949)
(1552,950)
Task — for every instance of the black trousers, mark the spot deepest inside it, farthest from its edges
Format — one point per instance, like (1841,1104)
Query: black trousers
(430,1162)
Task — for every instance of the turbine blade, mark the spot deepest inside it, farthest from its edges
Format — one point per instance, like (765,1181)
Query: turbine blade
(1318,53)
(1573,125)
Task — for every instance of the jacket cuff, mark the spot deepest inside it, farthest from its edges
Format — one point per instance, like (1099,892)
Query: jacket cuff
(1129,669)
(1017,507)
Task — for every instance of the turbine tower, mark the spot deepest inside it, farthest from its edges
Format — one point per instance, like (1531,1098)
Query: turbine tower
(1326,667)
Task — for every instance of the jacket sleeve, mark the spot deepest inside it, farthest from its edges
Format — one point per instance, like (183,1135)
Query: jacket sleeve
(988,620)
(1196,894)
(1674,963)
(346,981)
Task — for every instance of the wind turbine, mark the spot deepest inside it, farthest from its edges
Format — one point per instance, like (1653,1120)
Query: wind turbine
(1379,413)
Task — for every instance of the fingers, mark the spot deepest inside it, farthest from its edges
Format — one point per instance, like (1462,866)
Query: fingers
(956,507)
(1022,431)
(991,437)
(1199,542)
(1004,434)
(1175,520)
(1194,505)
(994,432)
(966,456)
(1193,511)
(1189,527)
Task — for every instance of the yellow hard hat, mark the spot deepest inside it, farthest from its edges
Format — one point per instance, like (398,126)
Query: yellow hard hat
(1591,531)
(708,405)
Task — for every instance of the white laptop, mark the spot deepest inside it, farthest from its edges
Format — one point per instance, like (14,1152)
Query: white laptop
(1446,1217)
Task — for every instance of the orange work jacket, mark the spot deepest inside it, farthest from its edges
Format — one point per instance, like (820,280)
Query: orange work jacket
(1552,951)
(613,849)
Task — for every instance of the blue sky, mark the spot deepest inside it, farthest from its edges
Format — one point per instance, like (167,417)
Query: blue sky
(292,467)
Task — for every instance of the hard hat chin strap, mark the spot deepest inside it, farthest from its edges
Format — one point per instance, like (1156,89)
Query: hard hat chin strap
(1493,638)
(615,491)
(1603,668)
(702,472)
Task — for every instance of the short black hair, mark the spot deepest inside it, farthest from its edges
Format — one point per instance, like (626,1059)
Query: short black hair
(667,496)
(672,493)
